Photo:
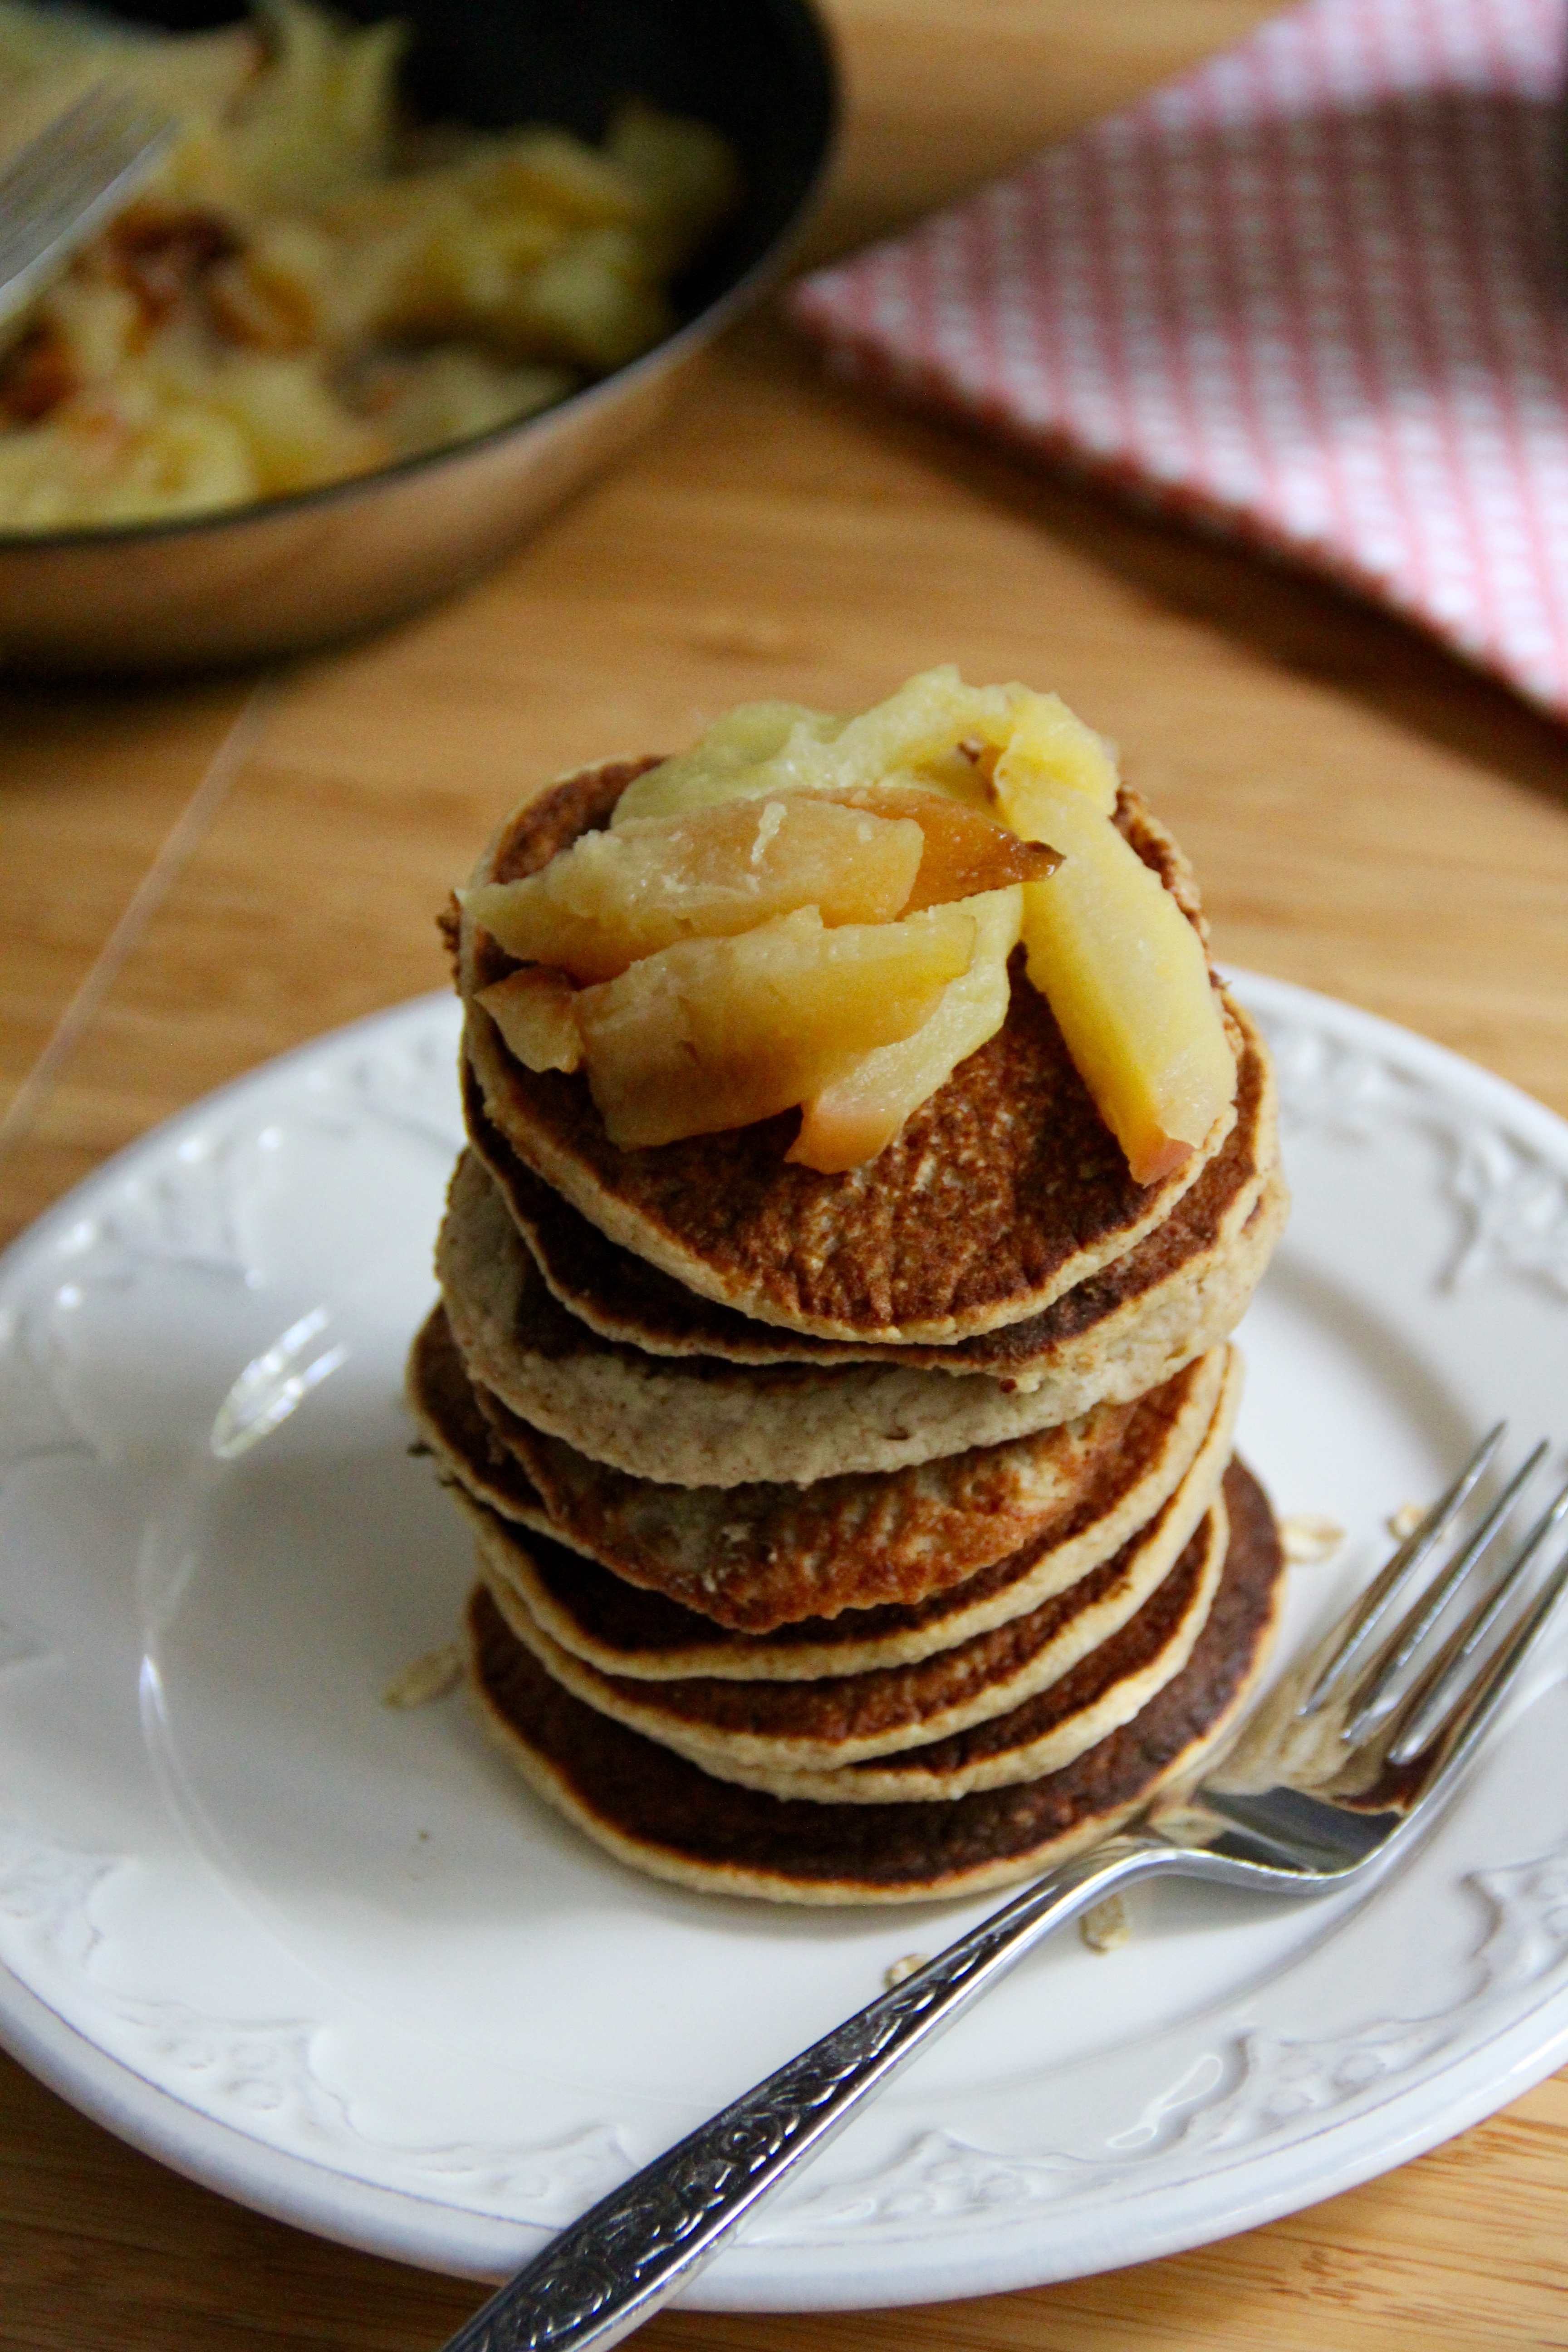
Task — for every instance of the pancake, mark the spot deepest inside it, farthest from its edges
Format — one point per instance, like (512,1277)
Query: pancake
(635,1629)
(662,1814)
(623,1628)
(623,1298)
(1001,1192)
(1124,1631)
(759,1555)
(1046,1729)
(635,1624)
(697,1422)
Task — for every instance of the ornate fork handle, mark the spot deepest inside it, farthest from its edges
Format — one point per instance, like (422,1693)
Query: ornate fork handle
(612,2269)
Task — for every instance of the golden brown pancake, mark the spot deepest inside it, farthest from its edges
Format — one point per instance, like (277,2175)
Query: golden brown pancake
(625,1299)
(1001,1192)
(756,1558)
(663,1814)
(772,1549)
(694,1420)
(1127,1639)
(1107,1688)
(623,1628)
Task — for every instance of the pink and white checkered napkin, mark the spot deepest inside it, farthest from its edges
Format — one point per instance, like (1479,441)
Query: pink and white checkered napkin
(1307,291)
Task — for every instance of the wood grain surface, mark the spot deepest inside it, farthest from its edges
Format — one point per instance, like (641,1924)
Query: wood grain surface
(193,878)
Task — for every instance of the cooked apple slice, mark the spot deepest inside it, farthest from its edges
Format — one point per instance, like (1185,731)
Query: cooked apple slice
(858,1116)
(1125,975)
(935,731)
(730,761)
(920,726)
(533,1011)
(967,852)
(716,1032)
(765,748)
(1049,741)
(612,897)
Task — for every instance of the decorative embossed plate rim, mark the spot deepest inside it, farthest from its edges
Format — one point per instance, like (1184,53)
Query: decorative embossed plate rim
(1424,1282)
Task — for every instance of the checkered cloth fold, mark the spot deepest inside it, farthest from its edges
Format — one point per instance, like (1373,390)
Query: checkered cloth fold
(1314,291)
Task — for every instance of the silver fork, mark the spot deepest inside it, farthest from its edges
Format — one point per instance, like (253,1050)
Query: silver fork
(64,184)
(1347,1761)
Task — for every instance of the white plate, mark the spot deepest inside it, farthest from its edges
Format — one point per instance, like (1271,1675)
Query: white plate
(335,1959)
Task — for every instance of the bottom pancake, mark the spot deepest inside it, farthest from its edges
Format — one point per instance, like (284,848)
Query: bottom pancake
(653,1809)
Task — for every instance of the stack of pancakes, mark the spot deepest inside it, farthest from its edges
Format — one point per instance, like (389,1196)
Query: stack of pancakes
(850,1537)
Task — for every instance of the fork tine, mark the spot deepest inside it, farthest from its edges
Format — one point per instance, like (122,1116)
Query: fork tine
(68,180)
(1386,1587)
(1437,1696)
(1371,1695)
(104,115)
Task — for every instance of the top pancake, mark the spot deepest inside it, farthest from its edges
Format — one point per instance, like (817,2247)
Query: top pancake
(1003,1191)
(625,1299)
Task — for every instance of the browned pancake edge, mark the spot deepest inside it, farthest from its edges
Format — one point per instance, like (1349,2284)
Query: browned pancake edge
(662,1814)
(1001,1707)
(864,1558)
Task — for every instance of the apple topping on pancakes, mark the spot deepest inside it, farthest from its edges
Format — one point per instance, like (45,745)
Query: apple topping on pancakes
(722,1033)
(816,911)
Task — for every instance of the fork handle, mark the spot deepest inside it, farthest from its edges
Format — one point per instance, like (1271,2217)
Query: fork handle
(610,2270)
